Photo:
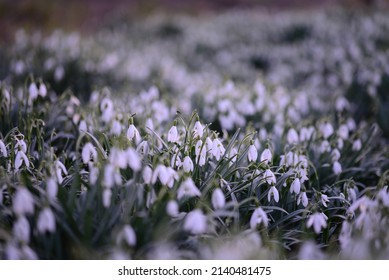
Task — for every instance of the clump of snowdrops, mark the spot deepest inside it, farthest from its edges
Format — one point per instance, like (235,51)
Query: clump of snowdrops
(111,150)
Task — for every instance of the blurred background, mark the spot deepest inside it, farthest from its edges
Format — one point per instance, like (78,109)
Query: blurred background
(89,15)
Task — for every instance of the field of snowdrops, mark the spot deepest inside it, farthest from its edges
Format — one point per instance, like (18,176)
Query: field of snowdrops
(237,136)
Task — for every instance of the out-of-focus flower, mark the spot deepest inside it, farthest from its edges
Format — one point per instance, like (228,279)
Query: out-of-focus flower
(217,149)
(134,161)
(318,221)
(46,221)
(326,129)
(187,189)
(21,229)
(218,199)
(252,154)
(42,90)
(23,202)
(198,130)
(195,222)
(357,145)
(172,208)
(324,200)
(107,194)
(147,174)
(292,136)
(337,168)
(51,188)
(343,131)
(258,217)
(133,134)
(59,170)
(88,153)
(128,235)
(20,158)
(335,155)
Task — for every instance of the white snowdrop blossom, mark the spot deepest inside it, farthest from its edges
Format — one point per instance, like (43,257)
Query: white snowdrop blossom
(172,208)
(218,199)
(134,161)
(335,155)
(128,235)
(111,176)
(46,221)
(302,198)
(88,153)
(187,189)
(3,149)
(383,196)
(107,194)
(273,193)
(258,217)
(106,107)
(198,130)
(357,145)
(195,222)
(147,174)
(187,165)
(116,128)
(252,154)
(20,159)
(118,158)
(42,90)
(217,149)
(59,170)
(93,174)
(133,134)
(176,161)
(266,156)
(292,136)
(32,92)
(21,229)
(201,153)
(269,177)
(324,200)
(343,131)
(51,188)
(318,221)
(173,136)
(295,186)
(23,202)
(326,129)
(337,168)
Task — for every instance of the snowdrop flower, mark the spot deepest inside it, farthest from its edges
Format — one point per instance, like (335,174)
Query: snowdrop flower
(20,158)
(143,148)
(292,136)
(266,156)
(107,110)
(326,129)
(318,221)
(357,145)
(258,217)
(23,202)
(209,145)
(151,198)
(134,161)
(198,130)
(176,161)
(218,199)
(302,198)
(88,153)
(42,90)
(217,149)
(335,155)
(21,229)
(252,153)
(3,149)
(111,176)
(310,251)
(337,168)
(21,146)
(201,153)
(133,134)
(128,235)
(324,199)
(51,189)
(107,194)
(306,133)
(116,128)
(59,170)
(195,222)
(188,164)
(147,174)
(46,221)
(188,189)
(82,126)
(118,158)
(343,131)
(383,195)
(173,136)
(166,175)
(273,192)
(172,208)
(269,177)
(295,186)
(93,174)
(33,92)
(324,147)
